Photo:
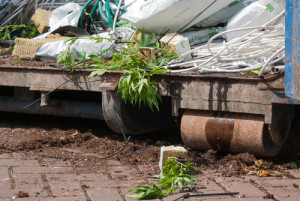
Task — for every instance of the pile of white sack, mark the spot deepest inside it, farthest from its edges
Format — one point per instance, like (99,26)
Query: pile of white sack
(252,33)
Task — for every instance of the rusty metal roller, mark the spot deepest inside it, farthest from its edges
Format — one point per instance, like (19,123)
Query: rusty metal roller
(237,134)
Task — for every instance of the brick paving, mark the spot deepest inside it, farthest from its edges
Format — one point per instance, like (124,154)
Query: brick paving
(26,179)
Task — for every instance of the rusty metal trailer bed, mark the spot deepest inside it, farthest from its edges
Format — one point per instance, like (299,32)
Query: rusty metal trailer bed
(222,111)
(215,111)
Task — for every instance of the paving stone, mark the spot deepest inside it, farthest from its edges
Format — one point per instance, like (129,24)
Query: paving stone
(205,185)
(4,155)
(244,188)
(22,156)
(5,190)
(281,189)
(236,199)
(130,177)
(77,198)
(92,177)
(112,183)
(35,170)
(16,163)
(57,163)
(32,191)
(104,194)
(62,177)
(61,170)
(5,199)
(117,171)
(176,196)
(28,180)
(4,175)
(66,188)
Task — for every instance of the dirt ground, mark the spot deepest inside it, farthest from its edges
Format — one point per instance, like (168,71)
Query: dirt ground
(85,141)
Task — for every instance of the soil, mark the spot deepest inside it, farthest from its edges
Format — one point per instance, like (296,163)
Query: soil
(86,141)
(7,59)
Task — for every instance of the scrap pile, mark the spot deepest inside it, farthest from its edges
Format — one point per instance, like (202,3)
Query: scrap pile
(207,36)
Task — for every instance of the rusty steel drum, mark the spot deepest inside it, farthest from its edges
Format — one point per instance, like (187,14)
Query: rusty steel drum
(232,133)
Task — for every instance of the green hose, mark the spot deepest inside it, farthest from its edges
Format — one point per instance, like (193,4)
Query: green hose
(92,18)
(82,12)
(102,14)
(108,14)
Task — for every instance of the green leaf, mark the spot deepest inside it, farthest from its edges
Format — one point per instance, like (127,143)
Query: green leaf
(146,192)
(97,72)
(96,58)
(81,54)
(294,165)
(256,71)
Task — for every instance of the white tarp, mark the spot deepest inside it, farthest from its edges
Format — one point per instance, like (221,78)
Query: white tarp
(162,16)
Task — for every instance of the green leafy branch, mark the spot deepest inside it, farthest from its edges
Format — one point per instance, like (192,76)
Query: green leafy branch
(135,85)
(174,176)
(10,32)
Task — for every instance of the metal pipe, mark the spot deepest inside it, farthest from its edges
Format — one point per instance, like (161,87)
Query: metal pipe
(45,100)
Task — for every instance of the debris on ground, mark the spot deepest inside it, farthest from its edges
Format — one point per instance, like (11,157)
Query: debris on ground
(174,176)
(22,194)
(171,152)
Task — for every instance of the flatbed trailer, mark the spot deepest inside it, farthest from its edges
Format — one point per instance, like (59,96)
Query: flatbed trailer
(222,111)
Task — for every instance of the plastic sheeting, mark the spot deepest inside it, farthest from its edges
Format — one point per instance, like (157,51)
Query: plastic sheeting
(256,14)
(161,16)
(86,45)
(225,14)
(65,15)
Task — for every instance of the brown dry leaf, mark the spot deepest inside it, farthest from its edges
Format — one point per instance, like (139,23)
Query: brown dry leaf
(258,163)
(263,173)
(252,173)
(244,166)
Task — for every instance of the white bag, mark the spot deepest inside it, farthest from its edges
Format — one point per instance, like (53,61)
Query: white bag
(65,15)
(162,16)
(201,36)
(85,45)
(256,14)
(225,14)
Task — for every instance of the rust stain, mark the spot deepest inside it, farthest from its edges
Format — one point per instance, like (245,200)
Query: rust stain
(219,133)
